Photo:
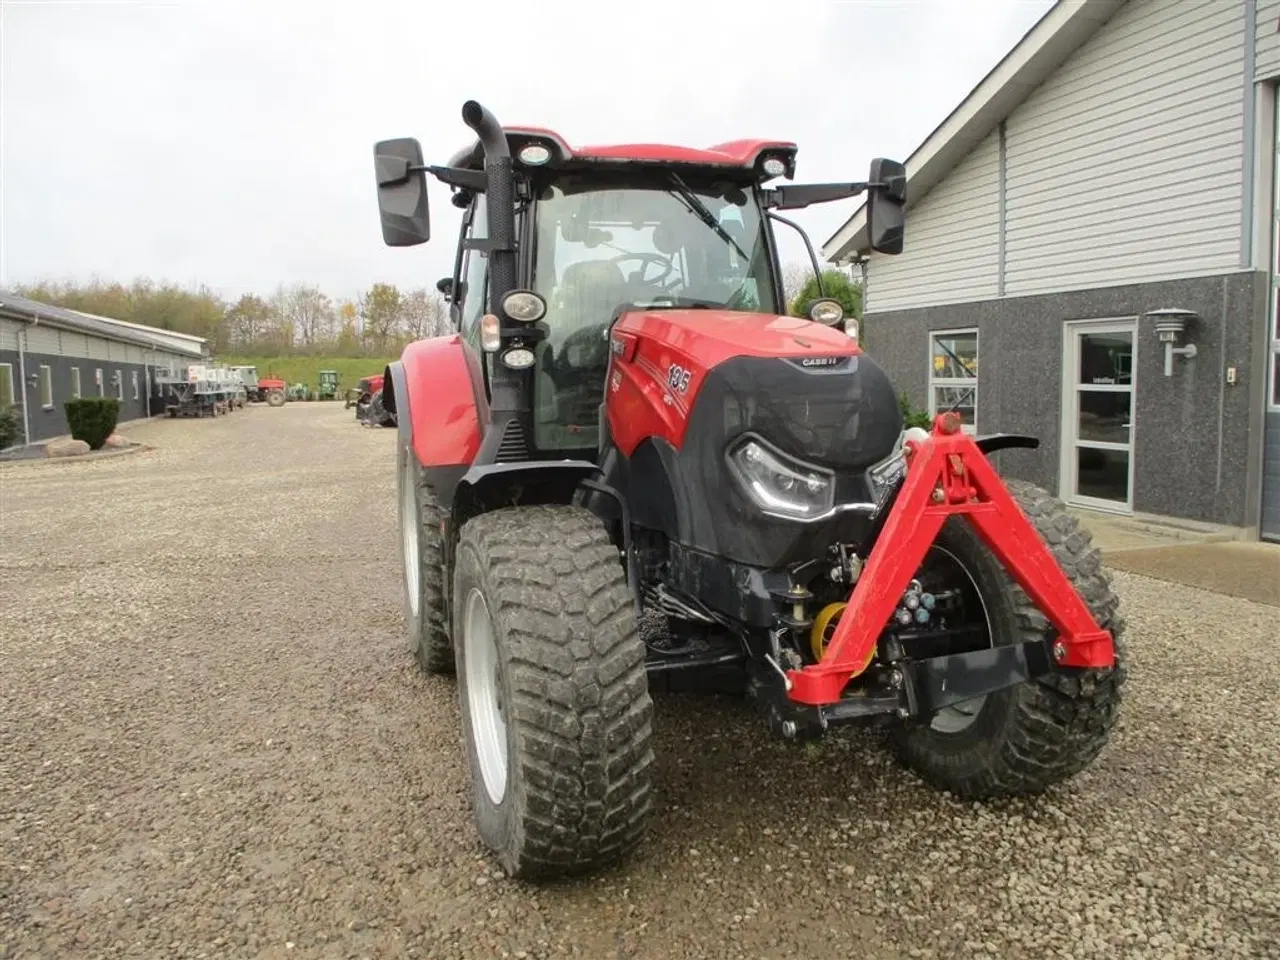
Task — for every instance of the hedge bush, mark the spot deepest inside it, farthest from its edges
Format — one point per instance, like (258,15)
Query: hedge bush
(10,427)
(911,417)
(93,419)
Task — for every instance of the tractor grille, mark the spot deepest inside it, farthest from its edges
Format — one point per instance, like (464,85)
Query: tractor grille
(844,417)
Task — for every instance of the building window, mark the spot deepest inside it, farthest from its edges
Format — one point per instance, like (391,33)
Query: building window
(75,383)
(135,384)
(46,386)
(119,378)
(6,385)
(97,380)
(953,375)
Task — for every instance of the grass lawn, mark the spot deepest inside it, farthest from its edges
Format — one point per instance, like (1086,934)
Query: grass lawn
(307,369)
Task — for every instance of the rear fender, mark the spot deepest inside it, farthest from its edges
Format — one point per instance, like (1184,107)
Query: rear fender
(436,392)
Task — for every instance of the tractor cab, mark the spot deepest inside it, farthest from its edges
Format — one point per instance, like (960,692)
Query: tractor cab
(557,243)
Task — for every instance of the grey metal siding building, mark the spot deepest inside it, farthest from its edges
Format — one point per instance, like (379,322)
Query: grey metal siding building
(1121,159)
(49,355)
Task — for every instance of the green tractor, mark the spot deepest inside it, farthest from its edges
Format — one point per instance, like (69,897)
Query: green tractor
(327,385)
(299,391)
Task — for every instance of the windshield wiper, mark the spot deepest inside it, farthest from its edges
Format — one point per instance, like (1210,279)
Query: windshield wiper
(699,209)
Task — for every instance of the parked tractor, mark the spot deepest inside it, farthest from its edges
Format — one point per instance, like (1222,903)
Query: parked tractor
(258,390)
(327,385)
(628,464)
(370,410)
(363,391)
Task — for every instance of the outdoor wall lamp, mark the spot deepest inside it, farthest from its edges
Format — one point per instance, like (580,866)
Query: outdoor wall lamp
(1171,323)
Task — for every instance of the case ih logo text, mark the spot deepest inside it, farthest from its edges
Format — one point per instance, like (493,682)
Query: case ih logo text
(820,361)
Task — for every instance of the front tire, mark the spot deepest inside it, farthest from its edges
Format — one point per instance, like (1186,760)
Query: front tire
(1024,739)
(422,560)
(556,713)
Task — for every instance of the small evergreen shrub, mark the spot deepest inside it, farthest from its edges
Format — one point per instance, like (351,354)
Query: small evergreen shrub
(93,419)
(10,427)
(913,418)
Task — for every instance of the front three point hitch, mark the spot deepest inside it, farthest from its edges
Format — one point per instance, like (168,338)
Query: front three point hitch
(948,475)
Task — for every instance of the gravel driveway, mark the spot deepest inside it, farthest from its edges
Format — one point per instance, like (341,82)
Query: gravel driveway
(213,744)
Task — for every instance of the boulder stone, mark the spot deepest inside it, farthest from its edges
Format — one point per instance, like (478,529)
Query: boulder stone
(116,440)
(65,448)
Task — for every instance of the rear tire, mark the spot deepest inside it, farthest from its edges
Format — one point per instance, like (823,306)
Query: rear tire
(556,713)
(422,561)
(1041,732)
(275,398)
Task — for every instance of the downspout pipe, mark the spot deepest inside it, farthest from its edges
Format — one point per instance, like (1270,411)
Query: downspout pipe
(22,376)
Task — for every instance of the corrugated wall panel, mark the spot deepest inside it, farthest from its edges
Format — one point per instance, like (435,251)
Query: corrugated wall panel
(9,333)
(952,249)
(74,344)
(96,348)
(41,339)
(1126,165)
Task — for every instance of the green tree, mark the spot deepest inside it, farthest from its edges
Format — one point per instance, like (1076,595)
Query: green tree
(249,321)
(837,286)
(381,309)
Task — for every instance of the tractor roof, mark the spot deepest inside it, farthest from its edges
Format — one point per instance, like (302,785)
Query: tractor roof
(741,155)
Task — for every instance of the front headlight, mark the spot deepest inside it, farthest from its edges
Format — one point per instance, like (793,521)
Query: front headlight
(886,474)
(779,485)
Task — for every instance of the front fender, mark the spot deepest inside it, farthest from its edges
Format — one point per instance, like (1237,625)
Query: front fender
(1006,441)
(494,485)
(436,393)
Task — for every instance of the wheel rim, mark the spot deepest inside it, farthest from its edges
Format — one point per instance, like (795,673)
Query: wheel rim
(484,696)
(409,530)
(961,716)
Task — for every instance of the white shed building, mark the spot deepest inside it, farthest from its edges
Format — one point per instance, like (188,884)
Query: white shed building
(1120,160)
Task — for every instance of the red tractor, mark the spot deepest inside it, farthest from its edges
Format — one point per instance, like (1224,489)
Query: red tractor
(628,466)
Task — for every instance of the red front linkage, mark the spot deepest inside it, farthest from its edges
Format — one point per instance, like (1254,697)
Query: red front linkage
(950,475)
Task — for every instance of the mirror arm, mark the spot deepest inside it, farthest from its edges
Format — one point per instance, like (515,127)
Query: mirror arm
(813,257)
(802,195)
(473,180)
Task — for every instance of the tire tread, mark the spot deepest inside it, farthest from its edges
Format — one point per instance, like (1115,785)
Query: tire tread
(1062,721)
(581,705)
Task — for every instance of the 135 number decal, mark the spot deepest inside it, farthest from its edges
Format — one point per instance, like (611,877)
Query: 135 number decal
(678,377)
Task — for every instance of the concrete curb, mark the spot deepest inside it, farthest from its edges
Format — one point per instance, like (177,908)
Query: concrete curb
(93,456)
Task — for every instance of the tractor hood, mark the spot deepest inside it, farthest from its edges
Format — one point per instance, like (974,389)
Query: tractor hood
(713,336)
(803,386)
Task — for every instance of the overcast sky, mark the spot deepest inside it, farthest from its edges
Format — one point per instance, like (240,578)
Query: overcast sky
(229,142)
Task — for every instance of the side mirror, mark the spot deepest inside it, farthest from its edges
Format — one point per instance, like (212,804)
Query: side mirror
(445,286)
(887,206)
(402,192)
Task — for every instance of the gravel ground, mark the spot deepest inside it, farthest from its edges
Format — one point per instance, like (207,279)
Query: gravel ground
(213,744)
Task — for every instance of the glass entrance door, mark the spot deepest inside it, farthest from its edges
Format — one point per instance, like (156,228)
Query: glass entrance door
(1097,413)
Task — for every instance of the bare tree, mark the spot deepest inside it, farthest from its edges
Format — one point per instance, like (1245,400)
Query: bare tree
(310,313)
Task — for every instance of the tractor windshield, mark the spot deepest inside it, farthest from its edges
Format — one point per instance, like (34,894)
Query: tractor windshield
(654,241)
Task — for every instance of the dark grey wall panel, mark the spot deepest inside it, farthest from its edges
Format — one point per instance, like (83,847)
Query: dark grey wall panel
(52,422)
(1191,438)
